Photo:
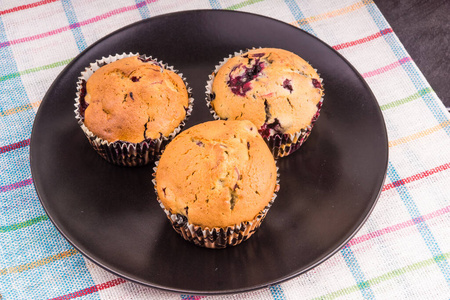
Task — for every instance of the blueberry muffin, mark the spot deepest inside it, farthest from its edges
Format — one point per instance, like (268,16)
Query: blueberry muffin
(216,182)
(275,89)
(129,107)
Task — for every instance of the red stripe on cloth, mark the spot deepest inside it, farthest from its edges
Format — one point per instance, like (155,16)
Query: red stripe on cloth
(387,68)
(23,7)
(399,226)
(92,289)
(16,185)
(75,25)
(416,177)
(363,40)
(14,146)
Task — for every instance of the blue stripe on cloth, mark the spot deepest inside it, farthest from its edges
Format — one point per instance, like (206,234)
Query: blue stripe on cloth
(187,297)
(298,15)
(12,92)
(357,273)
(277,292)
(412,72)
(74,25)
(143,9)
(215,4)
(422,226)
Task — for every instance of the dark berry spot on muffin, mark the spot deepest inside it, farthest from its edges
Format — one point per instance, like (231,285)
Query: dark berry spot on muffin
(240,84)
(200,144)
(164,191)
(248,145)
(135,79)
(145,128)
(258,54)
(131,96)
(233,198)
(316,83)
(267,110)
(267,129)
(287,85)
(125,98)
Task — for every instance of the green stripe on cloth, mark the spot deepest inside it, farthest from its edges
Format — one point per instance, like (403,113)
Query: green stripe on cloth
(28,71)
(399,102)
(387,276)
(28,223)
(242,4)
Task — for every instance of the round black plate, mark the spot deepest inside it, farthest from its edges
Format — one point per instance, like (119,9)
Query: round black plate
(110,214)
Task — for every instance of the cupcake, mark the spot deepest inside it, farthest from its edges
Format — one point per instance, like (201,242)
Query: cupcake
(275,89)
(130,106)
(216,182)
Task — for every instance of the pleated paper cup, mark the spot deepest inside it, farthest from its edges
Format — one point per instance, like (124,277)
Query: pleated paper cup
(125,153)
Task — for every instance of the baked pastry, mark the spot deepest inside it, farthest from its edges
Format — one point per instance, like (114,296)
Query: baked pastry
(275,89)
(216,182)
(130,106)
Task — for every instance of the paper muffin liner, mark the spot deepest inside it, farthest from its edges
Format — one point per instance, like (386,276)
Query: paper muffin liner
(216,237)
(280,144)
(125,153)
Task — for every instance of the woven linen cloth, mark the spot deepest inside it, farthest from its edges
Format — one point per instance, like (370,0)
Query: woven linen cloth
(402,251)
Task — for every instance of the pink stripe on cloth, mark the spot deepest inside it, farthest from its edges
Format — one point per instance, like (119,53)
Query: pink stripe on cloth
(23,7)
(92,289)
(16,185)
(387,68)
(75,25)
(399,226)
(416,177)
(363,40)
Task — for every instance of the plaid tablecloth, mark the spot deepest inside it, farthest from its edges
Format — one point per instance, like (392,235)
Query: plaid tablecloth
(403,250)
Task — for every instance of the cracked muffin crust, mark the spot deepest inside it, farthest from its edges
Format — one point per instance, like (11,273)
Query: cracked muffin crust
(275,89)
(216,174)
(133,99)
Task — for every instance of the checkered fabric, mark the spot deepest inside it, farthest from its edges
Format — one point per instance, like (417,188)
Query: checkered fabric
(402,251)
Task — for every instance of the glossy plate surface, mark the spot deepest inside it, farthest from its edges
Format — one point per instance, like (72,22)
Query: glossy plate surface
(110,214)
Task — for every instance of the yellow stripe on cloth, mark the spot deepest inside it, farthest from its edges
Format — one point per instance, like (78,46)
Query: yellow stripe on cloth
(420,134)
(333,13)
(19,109)
(38,263)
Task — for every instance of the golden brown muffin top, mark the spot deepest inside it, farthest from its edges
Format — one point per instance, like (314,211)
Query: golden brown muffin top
(268,86)
(217,174)
(132,99)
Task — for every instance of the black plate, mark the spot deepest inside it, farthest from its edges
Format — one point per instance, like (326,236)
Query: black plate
(110,214)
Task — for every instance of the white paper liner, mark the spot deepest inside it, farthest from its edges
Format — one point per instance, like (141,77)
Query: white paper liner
(121,152)
(281,145)
(217,237)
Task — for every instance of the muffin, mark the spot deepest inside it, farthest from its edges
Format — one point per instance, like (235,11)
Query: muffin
(216,182)
(275,89)
(130,106)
